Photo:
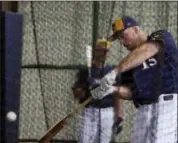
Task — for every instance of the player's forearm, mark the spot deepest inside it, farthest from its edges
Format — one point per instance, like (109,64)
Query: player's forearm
(118,107)
(137,57)
(123,92)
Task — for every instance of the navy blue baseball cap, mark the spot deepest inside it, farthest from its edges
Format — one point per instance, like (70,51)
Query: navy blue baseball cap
(122,23)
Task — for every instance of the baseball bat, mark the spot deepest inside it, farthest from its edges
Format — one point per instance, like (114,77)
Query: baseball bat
(60,124)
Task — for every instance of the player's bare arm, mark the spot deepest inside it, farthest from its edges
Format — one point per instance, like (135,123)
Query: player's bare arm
(123,92)
(134,59)
(138,56)
(118,107)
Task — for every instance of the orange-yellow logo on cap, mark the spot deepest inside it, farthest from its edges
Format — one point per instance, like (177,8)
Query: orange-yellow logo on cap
(118,25)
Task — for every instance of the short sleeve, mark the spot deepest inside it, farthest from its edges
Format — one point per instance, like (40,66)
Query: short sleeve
(126,78)
(158,37)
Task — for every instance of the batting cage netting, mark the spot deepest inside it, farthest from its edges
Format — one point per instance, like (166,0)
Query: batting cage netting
(54,40)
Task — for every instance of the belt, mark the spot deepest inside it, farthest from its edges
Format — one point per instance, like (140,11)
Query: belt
(164,97)
(167,97)
(140,103)
(99,106)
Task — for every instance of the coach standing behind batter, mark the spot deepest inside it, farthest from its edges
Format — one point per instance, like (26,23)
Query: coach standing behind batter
(152,64)
(99,119)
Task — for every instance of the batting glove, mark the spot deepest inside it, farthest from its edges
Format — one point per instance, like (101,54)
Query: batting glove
(110,78)
(102,91)
(118,126)
(105,87)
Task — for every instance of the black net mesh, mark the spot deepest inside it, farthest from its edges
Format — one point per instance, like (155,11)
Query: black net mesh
(55,34)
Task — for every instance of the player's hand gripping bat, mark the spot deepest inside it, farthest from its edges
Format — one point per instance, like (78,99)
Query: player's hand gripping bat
(60,124)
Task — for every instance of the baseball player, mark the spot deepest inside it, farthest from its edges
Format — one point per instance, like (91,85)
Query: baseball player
(99,119)
(152,66)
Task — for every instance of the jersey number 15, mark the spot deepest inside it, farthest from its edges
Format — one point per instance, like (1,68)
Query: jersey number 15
(149,63)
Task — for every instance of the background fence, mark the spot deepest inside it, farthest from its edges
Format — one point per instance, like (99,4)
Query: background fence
(55,35)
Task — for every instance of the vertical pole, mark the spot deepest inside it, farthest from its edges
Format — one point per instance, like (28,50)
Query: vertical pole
(95,22)
(11,27)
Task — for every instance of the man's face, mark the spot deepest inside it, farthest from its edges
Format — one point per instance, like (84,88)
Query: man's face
(129,38)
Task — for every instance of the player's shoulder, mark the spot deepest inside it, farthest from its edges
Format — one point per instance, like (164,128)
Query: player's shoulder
(159,35)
